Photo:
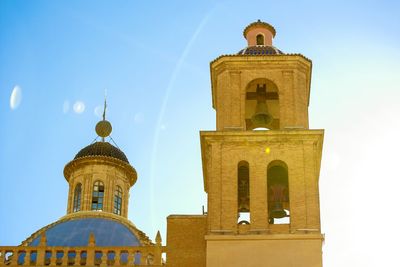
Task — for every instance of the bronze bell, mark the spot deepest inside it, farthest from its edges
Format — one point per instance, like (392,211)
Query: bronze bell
(278,211)
(261,117)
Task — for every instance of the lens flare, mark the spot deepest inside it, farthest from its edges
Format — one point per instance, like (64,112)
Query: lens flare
(15,98)
(98,111)
(79,107)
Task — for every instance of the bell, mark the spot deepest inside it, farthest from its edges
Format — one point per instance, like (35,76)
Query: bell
(261,117)
(278,211)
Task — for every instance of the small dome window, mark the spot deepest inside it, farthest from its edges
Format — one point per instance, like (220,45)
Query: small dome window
(118,200)
(77,197)
(98,195)
(260,39)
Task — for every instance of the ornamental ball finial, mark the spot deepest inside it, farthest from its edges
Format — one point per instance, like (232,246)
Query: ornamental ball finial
(103,128)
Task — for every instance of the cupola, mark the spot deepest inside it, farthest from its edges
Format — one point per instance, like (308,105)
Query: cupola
(259,36)
(100,176)
(259,33)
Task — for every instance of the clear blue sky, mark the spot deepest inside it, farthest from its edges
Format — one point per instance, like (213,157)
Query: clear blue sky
(153,59)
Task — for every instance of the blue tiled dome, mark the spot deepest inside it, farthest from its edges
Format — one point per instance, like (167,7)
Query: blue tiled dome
(75,233)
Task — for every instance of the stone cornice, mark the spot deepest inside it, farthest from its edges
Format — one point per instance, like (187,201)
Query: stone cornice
(296,137)
(265,237)
(262,136)
(258,57)
(91,160)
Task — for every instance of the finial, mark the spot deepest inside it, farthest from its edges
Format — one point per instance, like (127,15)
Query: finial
(158,238)
(104,128)
(105,104)
(92,240)
(43,240)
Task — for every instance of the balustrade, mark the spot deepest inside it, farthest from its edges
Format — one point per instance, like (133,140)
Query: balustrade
(82,256)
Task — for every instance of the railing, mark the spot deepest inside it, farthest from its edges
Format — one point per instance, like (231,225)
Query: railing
(82,256)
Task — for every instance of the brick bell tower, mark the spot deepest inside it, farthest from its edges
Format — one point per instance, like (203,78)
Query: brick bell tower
(261,166)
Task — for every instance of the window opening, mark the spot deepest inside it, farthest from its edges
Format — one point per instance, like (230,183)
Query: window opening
(98,195)
(278,194)
(77,198)
(118,200)
(243,193)
(260,39)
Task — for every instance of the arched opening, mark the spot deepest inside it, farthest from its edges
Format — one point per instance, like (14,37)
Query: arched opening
(77,197)
(262,105)
(260,39)
(243,194)
(278,193)
(98,195)
(118,200)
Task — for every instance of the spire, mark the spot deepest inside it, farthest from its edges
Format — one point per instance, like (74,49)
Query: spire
(103,127)
(105,108)
(158,239)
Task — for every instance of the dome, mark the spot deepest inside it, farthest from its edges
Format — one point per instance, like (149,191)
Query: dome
(102,149)
(75,233)
(259,24)
(260,50)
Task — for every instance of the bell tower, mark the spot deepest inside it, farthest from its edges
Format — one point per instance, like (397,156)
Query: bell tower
(261,166)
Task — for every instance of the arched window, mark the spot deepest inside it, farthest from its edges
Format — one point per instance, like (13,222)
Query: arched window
(77,197)
(262,109)
(243,192)
(118,200)
(98,195)
(260,39)
(278,193)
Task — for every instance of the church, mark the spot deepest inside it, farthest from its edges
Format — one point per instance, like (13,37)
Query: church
(260,171)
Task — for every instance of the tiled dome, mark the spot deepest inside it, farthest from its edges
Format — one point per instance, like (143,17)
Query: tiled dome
(102,149)
(75,233)
(260,50)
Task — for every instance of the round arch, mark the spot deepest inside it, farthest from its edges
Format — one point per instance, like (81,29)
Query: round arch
(262,93)
(278,192)
(260,39)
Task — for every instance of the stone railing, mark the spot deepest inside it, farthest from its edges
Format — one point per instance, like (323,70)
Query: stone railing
(81,256)
(91,255)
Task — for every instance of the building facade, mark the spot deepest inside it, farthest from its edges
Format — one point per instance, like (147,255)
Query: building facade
(260,166)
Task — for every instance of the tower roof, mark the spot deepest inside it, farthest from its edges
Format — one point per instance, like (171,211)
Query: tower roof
(102,152)
(259,36)
(259,24)
(102,149)
(262,50)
